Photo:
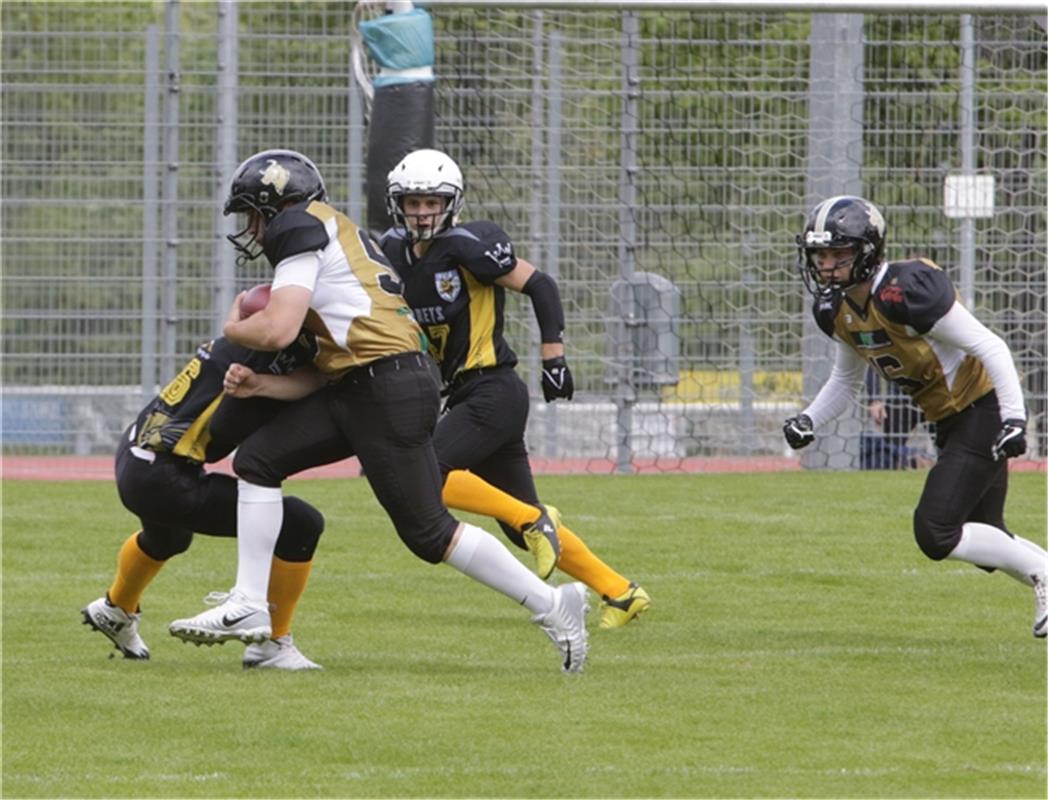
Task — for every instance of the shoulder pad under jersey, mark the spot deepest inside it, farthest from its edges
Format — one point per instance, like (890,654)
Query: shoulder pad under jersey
(916,293)
(483,248)
(293,231)
(392,235)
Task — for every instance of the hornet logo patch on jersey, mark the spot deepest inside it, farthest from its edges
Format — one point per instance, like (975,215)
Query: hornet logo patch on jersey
(275,175)
(449,284)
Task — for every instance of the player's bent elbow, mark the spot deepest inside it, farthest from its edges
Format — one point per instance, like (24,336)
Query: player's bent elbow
(278,340)
(276,335)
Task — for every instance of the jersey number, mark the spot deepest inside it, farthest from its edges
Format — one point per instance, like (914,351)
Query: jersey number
(891,368)
(175,391)
(388,280)
(438,340)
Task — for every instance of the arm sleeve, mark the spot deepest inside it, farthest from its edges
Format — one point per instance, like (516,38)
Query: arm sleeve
(958,328)
(545,299)
(300,270)
(840,389)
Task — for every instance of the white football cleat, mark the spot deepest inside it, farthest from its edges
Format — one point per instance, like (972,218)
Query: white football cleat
(279,653)
(234,616)
(565,625)
(118,625)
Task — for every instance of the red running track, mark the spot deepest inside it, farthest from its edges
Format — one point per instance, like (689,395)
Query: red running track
(78,468)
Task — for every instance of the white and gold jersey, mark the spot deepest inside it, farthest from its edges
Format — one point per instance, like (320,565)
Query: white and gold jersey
(907,299)
(357,311)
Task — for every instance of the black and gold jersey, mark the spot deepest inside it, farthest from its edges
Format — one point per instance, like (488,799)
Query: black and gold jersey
(452,293)
(890,334)
(177,420)
(357,311)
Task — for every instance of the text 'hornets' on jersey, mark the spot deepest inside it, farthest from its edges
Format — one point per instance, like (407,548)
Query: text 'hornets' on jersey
(357,310)
(452,293)
(177,420)
(907,298)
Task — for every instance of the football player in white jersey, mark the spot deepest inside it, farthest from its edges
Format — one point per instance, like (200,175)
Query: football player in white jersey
(378,400)
(906,320)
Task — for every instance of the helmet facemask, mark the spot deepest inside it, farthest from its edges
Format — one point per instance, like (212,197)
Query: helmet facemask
(439,220)
(248,240)
(819,280)
(425,173)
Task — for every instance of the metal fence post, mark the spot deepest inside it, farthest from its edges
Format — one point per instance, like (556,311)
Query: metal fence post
(835,130)
(551,263)
(625,394)
(538,220)
(150,209)
(225,157)
(169,207)
(967,109)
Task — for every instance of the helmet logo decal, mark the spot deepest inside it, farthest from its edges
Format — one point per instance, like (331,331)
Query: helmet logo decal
(818,238)
(275,175)
(876,218)
(448,285)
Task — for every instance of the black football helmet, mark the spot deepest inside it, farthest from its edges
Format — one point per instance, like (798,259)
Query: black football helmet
(841,222)
(264,184)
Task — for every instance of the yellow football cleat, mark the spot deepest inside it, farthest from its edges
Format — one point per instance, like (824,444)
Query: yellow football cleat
(542,541)
(617,611)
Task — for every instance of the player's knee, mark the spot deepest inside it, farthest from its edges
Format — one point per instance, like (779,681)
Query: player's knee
(936,539)
(162,545)
(429,550)
(299,532)
(251,467)
(430,544)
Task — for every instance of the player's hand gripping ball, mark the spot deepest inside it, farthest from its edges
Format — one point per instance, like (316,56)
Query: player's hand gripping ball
(254,300)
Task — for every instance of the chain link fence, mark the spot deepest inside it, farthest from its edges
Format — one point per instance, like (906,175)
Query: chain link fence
(658,162)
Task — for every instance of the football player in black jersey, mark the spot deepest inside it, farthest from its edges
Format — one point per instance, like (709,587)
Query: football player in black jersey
(380,404)
(455,276)
(906,320)
(161,479)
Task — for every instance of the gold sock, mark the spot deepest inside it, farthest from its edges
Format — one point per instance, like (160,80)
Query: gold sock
(467,492)
(287,581)
(134,572)
(578,561)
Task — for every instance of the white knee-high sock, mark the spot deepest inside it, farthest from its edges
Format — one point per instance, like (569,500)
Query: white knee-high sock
(484,558)
(987,546)
(260,513)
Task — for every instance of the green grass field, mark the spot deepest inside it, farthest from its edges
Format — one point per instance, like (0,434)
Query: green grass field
(800,646)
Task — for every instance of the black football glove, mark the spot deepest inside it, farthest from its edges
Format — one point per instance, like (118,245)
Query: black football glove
(799,431)
(1011,441)
(556,379)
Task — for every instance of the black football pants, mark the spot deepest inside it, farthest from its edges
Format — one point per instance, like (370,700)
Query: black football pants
(173,498)
(382,413)
(483,429)
(966,484)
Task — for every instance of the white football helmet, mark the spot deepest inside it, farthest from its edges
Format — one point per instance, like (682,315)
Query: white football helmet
(427,172)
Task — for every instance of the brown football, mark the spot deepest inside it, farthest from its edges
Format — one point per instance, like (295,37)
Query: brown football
(256,298)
